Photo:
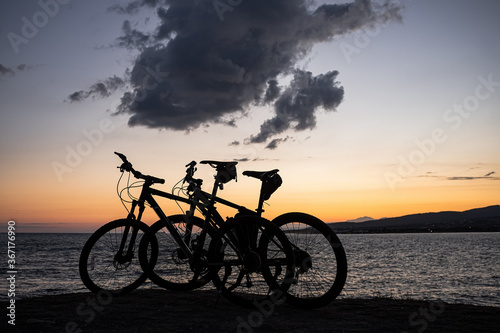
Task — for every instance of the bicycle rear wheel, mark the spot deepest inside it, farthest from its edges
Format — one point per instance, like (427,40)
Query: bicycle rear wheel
(320,260)
(104,268)
(251,262)
(173,270)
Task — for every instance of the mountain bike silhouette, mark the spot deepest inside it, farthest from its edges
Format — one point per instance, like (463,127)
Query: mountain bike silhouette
(248,258)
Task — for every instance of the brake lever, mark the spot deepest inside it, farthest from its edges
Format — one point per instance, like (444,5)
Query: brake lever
(190,171)
(126,166)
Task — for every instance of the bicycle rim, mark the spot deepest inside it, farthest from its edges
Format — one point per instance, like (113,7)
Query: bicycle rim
(100,267)
(320,260)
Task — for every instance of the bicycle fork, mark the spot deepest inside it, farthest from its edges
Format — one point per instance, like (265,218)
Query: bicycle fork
(121,255)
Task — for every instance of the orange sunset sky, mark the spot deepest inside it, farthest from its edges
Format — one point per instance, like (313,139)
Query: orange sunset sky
(416,130)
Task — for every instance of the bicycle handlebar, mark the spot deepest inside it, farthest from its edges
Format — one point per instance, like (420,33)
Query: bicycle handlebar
(127,166)
(193,183)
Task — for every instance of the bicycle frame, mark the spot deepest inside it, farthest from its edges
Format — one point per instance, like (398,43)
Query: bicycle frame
(146,196)
(241,209)
(199,200)
(246,255)
(205,197)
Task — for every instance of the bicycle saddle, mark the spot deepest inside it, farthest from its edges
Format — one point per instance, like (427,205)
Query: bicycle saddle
(218,164)
(262,175)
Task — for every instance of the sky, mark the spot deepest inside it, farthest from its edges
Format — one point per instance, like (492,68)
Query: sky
(367,108)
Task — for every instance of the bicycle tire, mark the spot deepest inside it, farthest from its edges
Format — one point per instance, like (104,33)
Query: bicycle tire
(321,264)
(98,267)
(251,262)
(172,271)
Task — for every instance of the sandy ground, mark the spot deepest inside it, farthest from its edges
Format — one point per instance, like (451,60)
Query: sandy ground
(198,311)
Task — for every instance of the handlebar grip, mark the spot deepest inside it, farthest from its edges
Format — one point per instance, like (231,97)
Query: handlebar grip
(123,157)
(126,164)
(158,180)
(128,167)
(152,179)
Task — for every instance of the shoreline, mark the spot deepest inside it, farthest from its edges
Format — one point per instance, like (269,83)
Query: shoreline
(337,231)
(158,310)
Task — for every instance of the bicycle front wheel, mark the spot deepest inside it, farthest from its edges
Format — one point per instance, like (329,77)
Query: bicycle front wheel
(251,262)
(320,260)
(103,267)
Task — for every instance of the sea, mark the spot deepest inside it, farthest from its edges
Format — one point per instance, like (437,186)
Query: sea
(452,267)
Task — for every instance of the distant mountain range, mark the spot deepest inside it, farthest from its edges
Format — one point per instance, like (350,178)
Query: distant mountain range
(474,220)
(361,219)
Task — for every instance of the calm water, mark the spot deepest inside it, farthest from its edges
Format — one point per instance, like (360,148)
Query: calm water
(453,267)
(457,268)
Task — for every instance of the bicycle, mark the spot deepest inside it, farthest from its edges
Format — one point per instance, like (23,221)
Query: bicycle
(320,260)
(120,255)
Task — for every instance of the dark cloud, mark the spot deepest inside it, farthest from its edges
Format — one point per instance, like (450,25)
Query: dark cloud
(464,178)
(5,70)
(430,175)
(488,176)
(273,144)
(272,92)
(23,67)
(246,159)
(133,7)
(101,89)
(296,106)
(132,39)
(206,64)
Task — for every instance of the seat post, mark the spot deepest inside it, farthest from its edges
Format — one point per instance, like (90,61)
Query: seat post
(262,176)
(261,201)
(211,203)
